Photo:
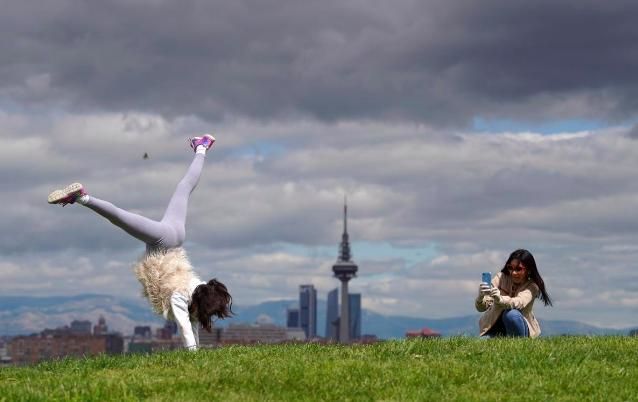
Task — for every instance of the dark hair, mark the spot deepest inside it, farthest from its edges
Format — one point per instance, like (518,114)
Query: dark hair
(210,299)
(528,261)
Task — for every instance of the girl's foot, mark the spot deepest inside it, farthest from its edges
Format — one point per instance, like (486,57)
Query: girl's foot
(68,195)
(205,140)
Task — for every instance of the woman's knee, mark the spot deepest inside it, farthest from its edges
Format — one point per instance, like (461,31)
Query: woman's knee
(515,324)
(512,315)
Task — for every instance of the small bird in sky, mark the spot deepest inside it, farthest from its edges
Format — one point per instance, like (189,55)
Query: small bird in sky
(145,156)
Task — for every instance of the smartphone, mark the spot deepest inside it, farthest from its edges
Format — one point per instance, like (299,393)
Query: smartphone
(486,277)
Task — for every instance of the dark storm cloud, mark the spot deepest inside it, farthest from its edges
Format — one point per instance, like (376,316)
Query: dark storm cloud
(431,60)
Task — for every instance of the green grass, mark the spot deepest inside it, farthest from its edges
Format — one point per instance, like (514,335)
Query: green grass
(549,369)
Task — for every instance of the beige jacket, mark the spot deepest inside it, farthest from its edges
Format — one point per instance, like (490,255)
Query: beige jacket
(520,298)
(168,282)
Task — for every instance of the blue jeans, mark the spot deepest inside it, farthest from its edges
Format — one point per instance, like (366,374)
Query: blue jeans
(510,323)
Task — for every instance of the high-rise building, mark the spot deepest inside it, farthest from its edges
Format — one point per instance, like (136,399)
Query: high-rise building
(142,331)
(333,319)
(292,318)
(308,310)
(81,327)
(332,315)
(344,270)
(101,328)
(354,304)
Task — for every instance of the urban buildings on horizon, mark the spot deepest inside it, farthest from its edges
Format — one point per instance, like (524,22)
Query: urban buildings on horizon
(348,311)
(81,339)
(77,340)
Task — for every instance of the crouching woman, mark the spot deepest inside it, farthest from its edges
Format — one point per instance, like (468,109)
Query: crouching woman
(507,303)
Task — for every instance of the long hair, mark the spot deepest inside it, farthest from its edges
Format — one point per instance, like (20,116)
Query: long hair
(528,261)
(208,300)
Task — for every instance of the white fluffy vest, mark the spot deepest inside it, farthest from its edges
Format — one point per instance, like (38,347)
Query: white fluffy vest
(161,273)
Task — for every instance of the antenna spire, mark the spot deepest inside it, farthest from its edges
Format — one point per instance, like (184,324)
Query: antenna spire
(344,248)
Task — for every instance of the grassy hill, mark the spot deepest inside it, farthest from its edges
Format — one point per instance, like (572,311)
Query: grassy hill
(560,368)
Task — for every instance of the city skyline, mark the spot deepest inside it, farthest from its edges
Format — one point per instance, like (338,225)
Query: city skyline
(305,316)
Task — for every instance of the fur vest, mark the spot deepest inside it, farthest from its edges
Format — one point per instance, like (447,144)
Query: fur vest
(162,273)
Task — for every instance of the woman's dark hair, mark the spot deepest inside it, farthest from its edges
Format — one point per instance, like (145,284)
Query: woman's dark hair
(528,261)
(210,299)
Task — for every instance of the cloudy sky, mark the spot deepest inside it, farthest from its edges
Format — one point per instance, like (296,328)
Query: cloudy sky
(459,132)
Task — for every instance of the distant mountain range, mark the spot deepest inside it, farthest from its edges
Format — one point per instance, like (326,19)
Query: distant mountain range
(395,326)
(26,315)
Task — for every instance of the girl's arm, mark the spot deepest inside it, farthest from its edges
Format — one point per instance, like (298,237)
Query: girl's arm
(179,304)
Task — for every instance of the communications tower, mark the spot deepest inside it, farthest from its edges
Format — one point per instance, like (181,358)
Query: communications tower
(344,270)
